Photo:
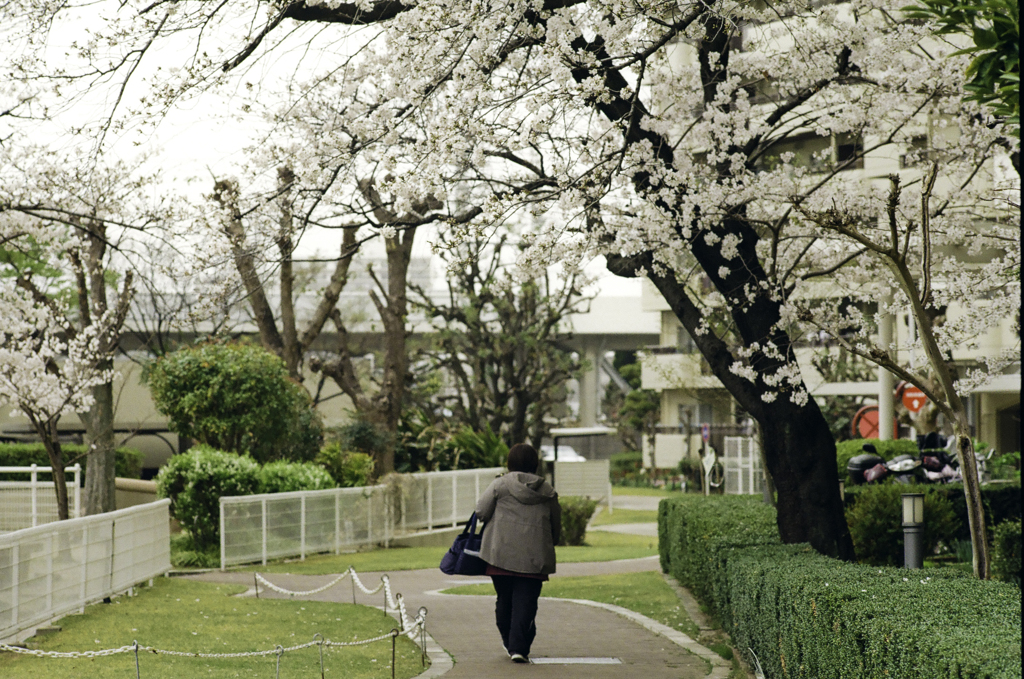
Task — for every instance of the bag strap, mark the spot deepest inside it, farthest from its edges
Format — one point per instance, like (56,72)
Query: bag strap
(470,525)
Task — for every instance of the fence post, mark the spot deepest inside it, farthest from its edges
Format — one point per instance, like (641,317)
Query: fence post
(78,490)
(430,502)
(455,500)
(369,518)
(16,574)
(302,528)
(476,488)
(35,509)
(85,566)
(263,527)
(337,521)
(49,573)
(113,528)
(223,534)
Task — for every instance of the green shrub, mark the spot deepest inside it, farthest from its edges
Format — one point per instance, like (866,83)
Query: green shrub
(348,469)
(1002,502)
(875,522)
(185,555)
(1006,539)
(885,449)
(282,476)
(576,513)
(235,397)
(194,482)
(1005,466)
(806,615)
(127,461)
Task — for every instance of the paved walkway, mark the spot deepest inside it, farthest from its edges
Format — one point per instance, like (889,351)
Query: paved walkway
(464,627)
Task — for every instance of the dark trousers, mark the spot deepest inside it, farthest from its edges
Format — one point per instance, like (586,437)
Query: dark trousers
(516,611)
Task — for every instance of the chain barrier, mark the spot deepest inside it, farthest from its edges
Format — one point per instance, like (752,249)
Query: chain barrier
(136,647)
(415,629)
(395,601)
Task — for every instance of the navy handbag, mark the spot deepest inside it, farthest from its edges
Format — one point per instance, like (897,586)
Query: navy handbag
(463,558)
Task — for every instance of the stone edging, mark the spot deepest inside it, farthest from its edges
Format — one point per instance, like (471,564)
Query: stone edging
(720,667)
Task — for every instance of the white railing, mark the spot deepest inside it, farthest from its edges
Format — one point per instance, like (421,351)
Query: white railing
(24,504)
(279,525)
(56,568)
(589,479)
(742,464)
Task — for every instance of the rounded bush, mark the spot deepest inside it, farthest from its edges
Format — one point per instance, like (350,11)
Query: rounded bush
(875,522)
(235,397)
(576,513)
(1006,552)
(194,481)
(283,477)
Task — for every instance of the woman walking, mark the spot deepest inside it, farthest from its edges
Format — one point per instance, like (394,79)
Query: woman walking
(524,522)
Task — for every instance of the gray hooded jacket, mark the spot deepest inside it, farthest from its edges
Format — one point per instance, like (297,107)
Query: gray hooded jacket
(524,522)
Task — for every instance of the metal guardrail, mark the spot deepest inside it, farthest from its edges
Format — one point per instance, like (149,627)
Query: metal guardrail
(56,568)
(280,525)
(24,504)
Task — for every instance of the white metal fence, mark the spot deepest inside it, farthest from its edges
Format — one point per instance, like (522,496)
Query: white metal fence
(278,525)
(53,569)
(742,463)
(590,479)
(24,504)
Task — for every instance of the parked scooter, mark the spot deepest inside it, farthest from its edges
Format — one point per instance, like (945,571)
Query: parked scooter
(936,463)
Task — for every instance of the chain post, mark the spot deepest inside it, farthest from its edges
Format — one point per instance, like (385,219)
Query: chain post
(256,585)
(135,646)
(320,644)
(280,652)
(394,637)
(422,613)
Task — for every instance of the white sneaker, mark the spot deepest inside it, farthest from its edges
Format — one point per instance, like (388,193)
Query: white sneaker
(519,658)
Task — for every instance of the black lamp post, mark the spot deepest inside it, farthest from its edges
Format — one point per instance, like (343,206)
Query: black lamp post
(913,530)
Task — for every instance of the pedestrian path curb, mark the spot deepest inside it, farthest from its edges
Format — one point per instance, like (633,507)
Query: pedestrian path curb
(720,667)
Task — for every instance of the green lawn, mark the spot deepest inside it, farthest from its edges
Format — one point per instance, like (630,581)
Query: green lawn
(601,546)
(603,518)
(182,615)
(646,593)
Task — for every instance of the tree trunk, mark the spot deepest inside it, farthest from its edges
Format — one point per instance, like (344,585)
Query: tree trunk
(48,433)
(798,445)
(100,494)
(972,495)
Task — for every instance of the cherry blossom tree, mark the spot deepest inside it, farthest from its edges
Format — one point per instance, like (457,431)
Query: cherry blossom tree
(664,136)
(977,275)
(67,230)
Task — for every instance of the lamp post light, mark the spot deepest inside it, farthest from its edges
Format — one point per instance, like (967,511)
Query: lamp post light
(913,529)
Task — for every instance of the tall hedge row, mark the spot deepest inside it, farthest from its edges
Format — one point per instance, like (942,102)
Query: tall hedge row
(806,615)
(127,461)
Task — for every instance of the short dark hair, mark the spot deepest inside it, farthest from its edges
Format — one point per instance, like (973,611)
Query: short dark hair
(523,458)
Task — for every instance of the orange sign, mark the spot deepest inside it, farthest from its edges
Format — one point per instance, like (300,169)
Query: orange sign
(913,398)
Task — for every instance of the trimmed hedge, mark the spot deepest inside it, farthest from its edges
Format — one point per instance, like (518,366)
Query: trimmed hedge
(806,615)
(282,476)
(1006,558)
(1002,502)
(127,461)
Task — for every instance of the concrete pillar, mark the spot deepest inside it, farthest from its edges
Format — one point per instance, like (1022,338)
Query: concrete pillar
(886,382)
